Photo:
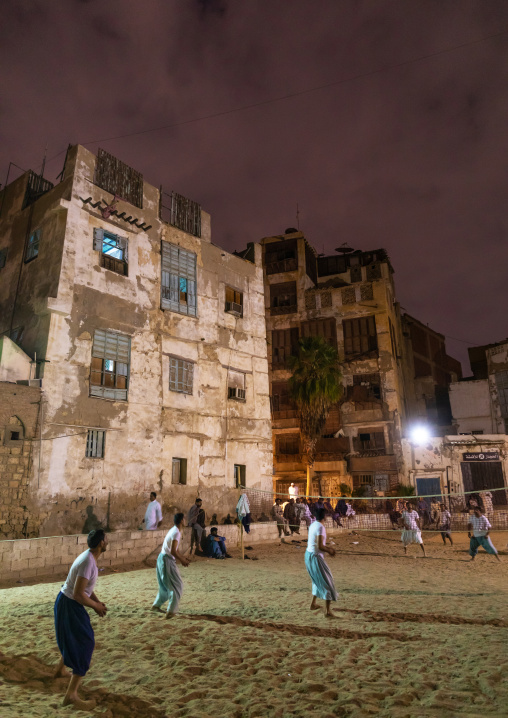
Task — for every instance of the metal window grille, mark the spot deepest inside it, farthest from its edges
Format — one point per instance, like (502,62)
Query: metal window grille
(178,282)
(179,471)
(239,474)
(95,443)
(110,365)
(35,188)
(32,249)
(181,375)
(181,212)
(118,178)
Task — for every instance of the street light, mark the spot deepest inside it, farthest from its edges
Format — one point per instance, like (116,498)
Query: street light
(420,434)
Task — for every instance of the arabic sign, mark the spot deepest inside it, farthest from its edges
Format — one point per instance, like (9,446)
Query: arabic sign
(481,456)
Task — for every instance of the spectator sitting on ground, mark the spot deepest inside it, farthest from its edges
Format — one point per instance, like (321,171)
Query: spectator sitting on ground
(216,545)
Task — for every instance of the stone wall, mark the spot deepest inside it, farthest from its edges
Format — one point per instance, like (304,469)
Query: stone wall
(19,411)
(28,558)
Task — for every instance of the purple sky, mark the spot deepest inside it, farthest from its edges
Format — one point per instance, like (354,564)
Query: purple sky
(412,159)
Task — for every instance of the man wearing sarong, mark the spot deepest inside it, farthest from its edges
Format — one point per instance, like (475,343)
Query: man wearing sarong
(74,632)
(168,576)
(411,532)
(278,516)
(292,516)
(153,515)
(478,533)
(321,577)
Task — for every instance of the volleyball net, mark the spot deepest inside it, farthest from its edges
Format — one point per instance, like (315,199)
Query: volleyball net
(436,512)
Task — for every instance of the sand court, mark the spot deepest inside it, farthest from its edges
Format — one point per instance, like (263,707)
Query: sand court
(414,637)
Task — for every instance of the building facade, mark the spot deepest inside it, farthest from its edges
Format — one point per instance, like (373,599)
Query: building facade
(149,342)
(349,299)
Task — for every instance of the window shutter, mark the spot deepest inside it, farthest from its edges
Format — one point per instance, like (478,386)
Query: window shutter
(98,236)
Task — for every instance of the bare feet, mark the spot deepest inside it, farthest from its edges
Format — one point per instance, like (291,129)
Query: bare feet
(313,607)
(61,673)
(157,609)
(330,614)
(170,615)
(79,704)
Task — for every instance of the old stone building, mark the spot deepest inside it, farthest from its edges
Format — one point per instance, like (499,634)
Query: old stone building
(349,299)
(149,341)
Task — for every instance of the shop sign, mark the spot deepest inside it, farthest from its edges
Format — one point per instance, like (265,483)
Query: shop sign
(481,456)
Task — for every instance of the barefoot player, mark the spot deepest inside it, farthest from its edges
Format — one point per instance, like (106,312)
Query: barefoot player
(321,577)
(411,532)
(479,528)
(74,632)
(168,575)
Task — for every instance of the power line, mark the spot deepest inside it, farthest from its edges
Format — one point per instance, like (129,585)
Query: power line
(291,95)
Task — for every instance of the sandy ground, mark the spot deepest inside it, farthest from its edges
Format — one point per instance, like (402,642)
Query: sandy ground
(415,638)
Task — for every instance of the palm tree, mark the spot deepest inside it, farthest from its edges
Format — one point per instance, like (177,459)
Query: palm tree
(316,384)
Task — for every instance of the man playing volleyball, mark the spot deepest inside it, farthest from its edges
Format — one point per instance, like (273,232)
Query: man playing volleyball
(411,532)
(168,576)
(321,577)
(478,528)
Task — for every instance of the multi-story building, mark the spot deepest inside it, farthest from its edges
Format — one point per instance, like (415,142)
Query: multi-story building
(349,299)
(149,342)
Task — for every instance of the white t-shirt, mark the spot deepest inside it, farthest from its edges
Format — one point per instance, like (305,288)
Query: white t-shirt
(153,515)
(481,525)
(84,566)
(293,491)
(172,535)
(410,518)
(315,530)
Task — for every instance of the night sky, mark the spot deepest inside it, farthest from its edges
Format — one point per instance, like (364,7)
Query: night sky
(411,158)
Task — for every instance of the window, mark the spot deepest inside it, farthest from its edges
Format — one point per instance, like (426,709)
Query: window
(476,432)
(113,250)
(239,474)
(359,336)
(331,265)
(181,375)
(118,178)
(181,212)
(366,387)
(281,256)
(32,249)
(236,385)
(283,298)
(3,258)
(325,328)
(281,400)
(179,471)
(109,374)
(284,345)
(234,302)
(373,441)
(95,442)
(288,444)
(360,480)
(178,286)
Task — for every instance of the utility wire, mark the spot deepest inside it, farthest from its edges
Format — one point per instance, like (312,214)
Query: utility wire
(291,95)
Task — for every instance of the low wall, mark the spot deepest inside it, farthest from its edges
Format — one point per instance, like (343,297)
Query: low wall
(29,558)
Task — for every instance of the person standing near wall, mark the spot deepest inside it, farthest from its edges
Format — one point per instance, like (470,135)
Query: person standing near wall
(153,515)
(74,632)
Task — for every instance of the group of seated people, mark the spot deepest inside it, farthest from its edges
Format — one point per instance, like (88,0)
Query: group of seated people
(213,545)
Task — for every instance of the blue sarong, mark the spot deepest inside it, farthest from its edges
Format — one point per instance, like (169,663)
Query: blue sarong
(477,541)
(321,577)
(170,583)
(74,634)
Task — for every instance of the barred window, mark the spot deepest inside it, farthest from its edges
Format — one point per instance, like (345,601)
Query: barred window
(178,286)
(181,375)
(109,375)
(113,250)
(95,444)
(32,249)
(179,471)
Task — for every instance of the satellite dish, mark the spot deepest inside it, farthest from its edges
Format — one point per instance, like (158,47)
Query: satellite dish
(344,248)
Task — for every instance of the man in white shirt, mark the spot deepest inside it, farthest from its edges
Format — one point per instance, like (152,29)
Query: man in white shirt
(411,532)
(74,632)
(322,580)
(293,491)
(153,515)
(168,576)
(444,523)
(478,533)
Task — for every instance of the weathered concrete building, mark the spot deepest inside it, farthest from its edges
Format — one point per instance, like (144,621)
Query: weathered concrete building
(349,299)
(150,343)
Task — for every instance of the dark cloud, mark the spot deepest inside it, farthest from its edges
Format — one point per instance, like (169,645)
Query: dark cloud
(411,158)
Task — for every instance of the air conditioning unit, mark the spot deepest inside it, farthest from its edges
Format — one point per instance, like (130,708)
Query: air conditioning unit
(35,382)
(235,393)
(234,308)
